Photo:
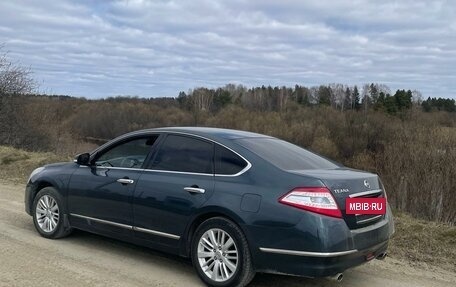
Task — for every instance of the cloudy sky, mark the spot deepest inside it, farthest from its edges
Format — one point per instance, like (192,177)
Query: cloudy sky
(158,48)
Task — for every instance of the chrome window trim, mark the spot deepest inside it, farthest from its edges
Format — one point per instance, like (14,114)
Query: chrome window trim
(134,228)
(151,170)
(365,193)
(307,253)
(178,172)
(249,165)
(119,168)
(245,169)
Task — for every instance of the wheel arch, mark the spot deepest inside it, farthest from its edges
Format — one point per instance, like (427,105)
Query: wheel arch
(204,215)
(38,185)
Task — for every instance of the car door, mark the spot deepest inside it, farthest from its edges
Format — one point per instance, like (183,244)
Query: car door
(100,195)
(177,181)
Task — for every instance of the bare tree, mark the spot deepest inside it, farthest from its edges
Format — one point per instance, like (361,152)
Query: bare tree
(417,97)
(236,91)
(314,97)
(202,99)
(365,97)
(382,88)
(283,98)
(337,95)
(14,78)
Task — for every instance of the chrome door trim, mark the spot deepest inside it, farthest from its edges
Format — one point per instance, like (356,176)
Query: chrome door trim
(134,228)
(369,192)
(154,232)
(307,253)
(102,221)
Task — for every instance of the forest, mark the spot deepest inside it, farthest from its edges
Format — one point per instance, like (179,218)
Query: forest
(408,141)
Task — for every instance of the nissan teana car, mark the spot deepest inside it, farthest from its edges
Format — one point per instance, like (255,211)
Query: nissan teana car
(235,202)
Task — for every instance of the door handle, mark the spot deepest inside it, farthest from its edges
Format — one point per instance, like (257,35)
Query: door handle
(194,189)
(125,181)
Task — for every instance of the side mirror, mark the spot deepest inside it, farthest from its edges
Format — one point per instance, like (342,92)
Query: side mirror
(83,159)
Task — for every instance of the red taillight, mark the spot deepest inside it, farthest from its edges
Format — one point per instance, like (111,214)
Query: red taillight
(315,199)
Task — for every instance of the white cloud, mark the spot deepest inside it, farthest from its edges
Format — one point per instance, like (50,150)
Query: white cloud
(157,48)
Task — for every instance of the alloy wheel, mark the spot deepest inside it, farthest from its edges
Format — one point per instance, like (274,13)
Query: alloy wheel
(218,255)
(47,213)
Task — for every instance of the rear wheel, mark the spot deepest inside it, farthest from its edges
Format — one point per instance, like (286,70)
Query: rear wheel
(48,214)
(220,254)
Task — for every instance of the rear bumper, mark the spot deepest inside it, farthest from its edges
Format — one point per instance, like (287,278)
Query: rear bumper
(317,264)
(319,247)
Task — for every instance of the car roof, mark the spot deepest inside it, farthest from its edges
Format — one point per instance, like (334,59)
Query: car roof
(211,133)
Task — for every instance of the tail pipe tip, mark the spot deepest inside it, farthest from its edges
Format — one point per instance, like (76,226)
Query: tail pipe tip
(338,277)
(382,256)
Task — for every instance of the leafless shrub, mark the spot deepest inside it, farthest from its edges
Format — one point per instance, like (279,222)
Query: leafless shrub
(15,78)
(414,154)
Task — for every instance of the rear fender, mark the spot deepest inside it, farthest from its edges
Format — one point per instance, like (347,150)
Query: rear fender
(202,215)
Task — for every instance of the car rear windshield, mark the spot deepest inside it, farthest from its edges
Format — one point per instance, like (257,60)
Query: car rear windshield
(285,155)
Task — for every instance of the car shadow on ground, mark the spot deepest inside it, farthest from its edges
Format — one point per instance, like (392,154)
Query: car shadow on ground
(144,255)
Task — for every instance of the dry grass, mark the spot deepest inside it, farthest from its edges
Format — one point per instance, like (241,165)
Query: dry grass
(424,242)
(16,165)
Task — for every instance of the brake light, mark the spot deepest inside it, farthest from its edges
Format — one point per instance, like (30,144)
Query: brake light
(314,199)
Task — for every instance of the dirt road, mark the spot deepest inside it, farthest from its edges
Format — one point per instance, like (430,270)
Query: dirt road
(83,259)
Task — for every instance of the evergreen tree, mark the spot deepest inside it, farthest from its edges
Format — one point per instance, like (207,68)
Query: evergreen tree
(324,95)
(348,99)
(403,99)
(356,99)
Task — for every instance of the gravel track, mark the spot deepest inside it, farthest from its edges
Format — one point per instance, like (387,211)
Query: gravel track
(84,259)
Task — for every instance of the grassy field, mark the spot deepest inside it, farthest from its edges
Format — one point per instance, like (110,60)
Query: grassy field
(420,242)
(16,165)
(424,243)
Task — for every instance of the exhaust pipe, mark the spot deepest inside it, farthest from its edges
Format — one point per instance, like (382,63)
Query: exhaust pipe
(382,256)
(338,277)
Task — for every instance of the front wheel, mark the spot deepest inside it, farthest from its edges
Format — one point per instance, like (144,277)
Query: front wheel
(48,214)
(220,254)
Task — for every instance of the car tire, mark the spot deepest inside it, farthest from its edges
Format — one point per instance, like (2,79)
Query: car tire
(48,214)
(215,245)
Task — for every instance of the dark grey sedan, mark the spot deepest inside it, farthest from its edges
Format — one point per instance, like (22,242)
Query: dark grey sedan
(235,202)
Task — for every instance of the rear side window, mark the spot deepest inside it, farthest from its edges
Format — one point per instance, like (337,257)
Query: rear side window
(285,155)
(227,162)
(184,154)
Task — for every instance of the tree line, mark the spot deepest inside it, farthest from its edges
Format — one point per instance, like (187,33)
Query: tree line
(342,97)
(413,150)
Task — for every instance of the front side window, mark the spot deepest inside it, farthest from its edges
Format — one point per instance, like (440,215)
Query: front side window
(130,154)
(184,154)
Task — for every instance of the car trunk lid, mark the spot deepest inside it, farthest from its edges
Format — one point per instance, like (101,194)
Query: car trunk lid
(349,183)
